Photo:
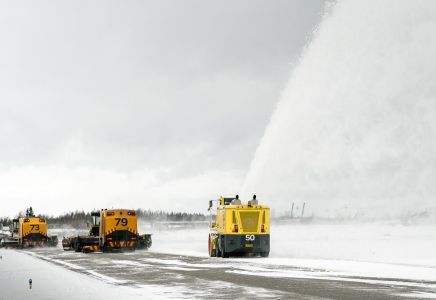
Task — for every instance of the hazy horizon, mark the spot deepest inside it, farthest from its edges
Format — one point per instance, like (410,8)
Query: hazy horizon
(148,104)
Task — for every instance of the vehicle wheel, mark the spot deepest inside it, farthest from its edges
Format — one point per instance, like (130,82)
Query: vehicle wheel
(264,254)
(77,247)
(217,248)
(210,247)
(223,253)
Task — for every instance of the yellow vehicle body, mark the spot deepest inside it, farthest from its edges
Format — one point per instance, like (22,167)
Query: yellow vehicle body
(112,230)
(239,228)
(28,231)
(31,225)
(118,228)
(32,231)
(249,219)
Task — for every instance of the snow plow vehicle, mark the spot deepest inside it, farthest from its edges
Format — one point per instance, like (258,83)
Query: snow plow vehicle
(111,230)
(237,228)
(28,231)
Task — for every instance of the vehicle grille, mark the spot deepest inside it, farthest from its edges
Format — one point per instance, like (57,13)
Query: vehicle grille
(249,220)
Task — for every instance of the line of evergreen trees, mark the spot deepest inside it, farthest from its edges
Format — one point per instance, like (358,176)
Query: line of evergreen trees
(161,216)
(5,221)
(80,219)
(77,219)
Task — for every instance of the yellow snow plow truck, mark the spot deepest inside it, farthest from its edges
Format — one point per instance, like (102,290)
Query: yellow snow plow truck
(112,230)
(29,231)
(237,228)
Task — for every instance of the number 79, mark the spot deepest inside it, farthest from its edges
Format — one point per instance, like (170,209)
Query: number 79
(123,221)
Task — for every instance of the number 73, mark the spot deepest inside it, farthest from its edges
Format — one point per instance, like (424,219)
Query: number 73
(34,227)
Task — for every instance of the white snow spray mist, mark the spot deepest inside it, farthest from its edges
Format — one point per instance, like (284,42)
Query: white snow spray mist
(355,129)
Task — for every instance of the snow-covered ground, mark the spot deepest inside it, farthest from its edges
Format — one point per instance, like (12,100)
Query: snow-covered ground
(50,281)
(388,250)
(383,254)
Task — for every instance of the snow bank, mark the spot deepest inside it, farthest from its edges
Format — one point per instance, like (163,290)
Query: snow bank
(183,241)
(388,243)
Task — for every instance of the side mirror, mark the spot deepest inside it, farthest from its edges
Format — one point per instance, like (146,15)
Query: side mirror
(210,204)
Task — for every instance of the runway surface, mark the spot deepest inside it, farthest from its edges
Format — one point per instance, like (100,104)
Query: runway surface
(183,276)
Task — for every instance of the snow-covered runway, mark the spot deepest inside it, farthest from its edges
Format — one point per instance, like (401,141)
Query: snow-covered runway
(181,276)
(307,262)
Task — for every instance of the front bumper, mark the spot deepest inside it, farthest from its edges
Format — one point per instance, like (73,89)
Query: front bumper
(246,243)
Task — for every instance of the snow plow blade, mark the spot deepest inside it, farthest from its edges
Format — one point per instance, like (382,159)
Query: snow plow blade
(144,241)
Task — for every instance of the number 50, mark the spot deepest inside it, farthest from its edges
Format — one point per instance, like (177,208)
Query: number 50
(249,237)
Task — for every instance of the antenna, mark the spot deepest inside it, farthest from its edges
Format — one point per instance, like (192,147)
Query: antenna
(302,211)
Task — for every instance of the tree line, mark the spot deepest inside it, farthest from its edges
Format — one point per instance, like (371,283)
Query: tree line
(80,219)
(160,216)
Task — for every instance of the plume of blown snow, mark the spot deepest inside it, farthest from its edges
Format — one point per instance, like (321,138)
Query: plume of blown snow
(355,128)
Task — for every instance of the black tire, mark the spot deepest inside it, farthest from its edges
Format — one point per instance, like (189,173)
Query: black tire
(264,254)
(77,247)
(223,253)
(217,249)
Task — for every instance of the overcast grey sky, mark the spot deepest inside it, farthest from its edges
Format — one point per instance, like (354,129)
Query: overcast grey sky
(150,104)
